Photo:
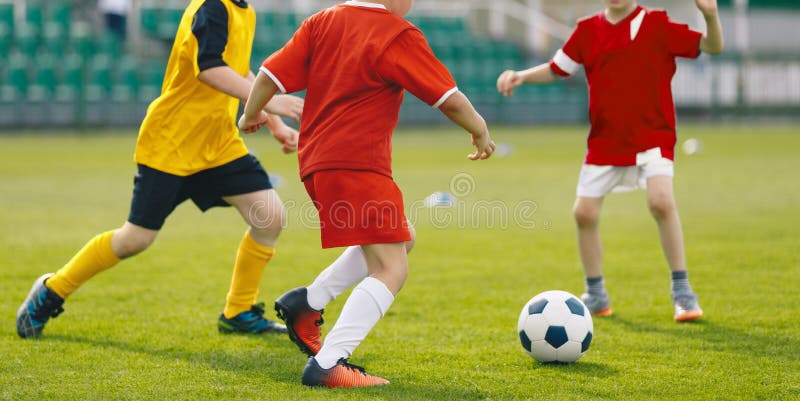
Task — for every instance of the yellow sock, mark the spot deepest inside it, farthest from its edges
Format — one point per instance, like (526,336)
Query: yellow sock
(251,259)
(93,258)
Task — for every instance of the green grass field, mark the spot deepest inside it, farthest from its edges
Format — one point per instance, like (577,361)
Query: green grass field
(146,330)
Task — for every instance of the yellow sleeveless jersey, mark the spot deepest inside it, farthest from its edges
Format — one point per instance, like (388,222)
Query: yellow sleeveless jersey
(191,126)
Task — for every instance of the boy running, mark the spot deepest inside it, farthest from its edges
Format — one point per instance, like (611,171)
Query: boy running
(361,56)
(189,148)
(628,53)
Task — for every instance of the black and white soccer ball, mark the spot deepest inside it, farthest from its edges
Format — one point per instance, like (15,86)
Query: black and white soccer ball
(555,326)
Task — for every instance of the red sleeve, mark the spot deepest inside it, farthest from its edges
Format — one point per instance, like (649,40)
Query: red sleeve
(568,59)
(288,67)
(681,41)
(410,63)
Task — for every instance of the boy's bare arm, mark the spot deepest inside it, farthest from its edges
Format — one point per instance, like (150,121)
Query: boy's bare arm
(460,111)
(712,42)
(261,92)
(286,135)
(509,79)
(228,81)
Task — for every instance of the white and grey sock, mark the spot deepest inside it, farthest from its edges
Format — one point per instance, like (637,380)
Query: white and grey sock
(367,304)
(343,273)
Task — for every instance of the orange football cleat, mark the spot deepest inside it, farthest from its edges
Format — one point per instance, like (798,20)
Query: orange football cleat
(342,374)
(302,322)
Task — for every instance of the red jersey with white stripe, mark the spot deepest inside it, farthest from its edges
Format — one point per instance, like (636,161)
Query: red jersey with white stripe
(355,60)
(629,68)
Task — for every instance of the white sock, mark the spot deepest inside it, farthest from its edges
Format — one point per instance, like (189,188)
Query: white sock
(366,305)
(343,273)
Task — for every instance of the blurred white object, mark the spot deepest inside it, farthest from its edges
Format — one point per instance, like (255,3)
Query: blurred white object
(692,146)
(440,199)
(276,180)
(504,149)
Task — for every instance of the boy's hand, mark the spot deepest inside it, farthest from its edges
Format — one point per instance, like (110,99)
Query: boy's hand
(707,7)
(484,147)
(509,80)
(254,123)
(286,105)
(287,136)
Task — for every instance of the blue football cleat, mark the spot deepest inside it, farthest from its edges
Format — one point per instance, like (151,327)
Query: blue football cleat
(251,321)
(41,304)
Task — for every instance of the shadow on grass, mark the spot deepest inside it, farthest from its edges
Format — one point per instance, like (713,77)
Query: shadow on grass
(284,365)
(707,334)
(590,369)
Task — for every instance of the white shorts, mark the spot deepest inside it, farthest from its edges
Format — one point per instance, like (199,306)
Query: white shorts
(598,181)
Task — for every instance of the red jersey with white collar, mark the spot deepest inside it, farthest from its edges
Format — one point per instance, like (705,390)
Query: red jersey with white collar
(629,68)
(355,60)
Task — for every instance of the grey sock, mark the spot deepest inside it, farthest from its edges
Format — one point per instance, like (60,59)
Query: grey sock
(680,282)
(595,285)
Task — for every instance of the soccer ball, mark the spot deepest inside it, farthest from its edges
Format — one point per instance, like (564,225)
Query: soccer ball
(555,326)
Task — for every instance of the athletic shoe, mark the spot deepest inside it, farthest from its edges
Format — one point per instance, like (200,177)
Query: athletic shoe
(250,322)
(686,306)
(41,304)
(342,374)
(599,305)
(301,320)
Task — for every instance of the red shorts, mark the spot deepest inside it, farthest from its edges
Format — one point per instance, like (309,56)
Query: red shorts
(357,207)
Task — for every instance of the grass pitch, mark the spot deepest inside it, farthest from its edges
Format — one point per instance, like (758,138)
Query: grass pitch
(147,328)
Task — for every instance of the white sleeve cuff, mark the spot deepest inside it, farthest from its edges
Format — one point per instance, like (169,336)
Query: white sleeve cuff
(565,63)
(273,78)
(445,97)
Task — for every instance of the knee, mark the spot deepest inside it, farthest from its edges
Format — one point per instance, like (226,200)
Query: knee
(128,244)
(586,216)
(410,243)
(661,206)
(267,224)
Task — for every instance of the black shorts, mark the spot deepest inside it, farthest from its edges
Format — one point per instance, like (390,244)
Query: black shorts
(156,193)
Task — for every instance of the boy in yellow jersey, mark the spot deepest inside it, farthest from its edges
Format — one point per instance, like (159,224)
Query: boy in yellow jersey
(189,148)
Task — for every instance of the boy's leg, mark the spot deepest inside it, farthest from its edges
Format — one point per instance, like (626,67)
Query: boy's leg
(301,308)
(661,201)
(155,196)
(263,212)
(587,219)
(347,270)
(388,269)
(102,252)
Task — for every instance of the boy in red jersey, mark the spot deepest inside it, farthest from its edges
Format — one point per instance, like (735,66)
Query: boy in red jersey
(362,57)
(628,53)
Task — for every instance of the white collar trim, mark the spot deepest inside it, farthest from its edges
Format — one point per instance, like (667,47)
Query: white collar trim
(364,4)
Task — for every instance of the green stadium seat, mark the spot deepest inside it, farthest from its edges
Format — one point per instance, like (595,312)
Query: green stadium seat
(168,21)
(126,82)
(265,20)
(98,82)
(108,44)
(45,72)
(18,72)
(34,14)
(5,38)
(61,14)
(54,38)
(7,17)
(149,20)
(151,77)
(81,40)
(71,72)
(27,39)
(286,22)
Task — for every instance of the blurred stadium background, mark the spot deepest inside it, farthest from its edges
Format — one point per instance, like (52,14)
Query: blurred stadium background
(61,68)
